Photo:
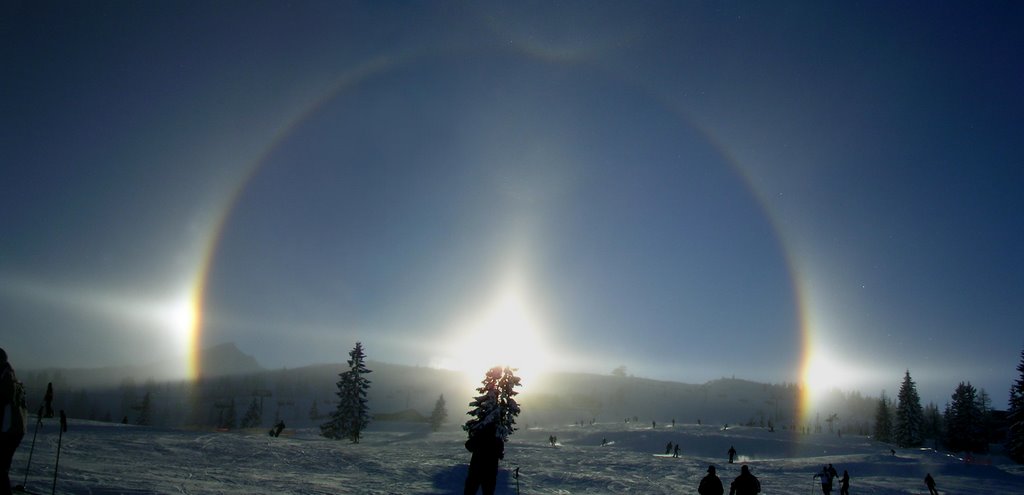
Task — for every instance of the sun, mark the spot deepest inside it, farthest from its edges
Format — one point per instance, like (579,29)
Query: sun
(504,332)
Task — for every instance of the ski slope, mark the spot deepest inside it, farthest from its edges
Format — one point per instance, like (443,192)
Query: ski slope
(104,458)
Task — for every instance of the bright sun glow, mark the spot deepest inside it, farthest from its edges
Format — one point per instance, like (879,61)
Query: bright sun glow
(505,332)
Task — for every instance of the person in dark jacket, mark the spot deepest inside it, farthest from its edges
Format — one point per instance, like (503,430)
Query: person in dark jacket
(487,448)
(930,483)
(745,484)
(711,484)
(732,454)
(48,401)
(844,484)
(826,480)
(9,439)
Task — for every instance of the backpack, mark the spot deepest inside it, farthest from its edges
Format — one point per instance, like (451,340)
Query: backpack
(15,423)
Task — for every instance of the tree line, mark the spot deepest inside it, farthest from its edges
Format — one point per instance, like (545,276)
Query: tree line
(966,424)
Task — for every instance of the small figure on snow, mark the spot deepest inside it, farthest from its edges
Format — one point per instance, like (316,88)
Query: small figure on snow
(711,484)
(745,484)
(826,480)
(844,484)
(277,429)
(487,448)
(676,453)
(930,483)
(668,448)
(732,453)
(48,401)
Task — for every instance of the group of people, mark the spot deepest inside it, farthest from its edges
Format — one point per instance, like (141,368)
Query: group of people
(668,450)
(828,475)
(744,484)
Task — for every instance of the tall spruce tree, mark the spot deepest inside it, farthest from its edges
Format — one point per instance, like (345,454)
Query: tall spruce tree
(883,419)
(963,420)
(1015,416)
(496,404)
(439,414)
(253,416)
(909,415)
(352,415)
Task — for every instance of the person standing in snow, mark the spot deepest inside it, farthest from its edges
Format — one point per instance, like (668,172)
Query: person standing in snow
(10,437)
(711,484)
(732,454)
(676,453)
(826,480)
(930,483)
(745,483)
(668,448)
(487,448)
(844,484)
(48,401)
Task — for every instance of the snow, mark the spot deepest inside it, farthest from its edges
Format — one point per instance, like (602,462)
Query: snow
(105,458)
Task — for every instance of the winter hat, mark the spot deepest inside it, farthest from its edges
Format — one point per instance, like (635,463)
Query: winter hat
(711,469)
(744,469)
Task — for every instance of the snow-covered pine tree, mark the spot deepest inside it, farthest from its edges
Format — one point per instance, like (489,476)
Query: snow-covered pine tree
(352,415)
(439,414)
(252,417)
(1015,416)
(496,404)
(909,415)
(883,420)
(964,421)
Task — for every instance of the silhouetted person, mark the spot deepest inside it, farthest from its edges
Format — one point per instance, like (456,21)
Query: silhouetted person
(668,448)
(676,453)
(826,480)
(48,401)
(10,432)
(745,483)
(487,448)
(832,473)
(710,484)
(732,454)
(930,483)
(278,428)
(844,484)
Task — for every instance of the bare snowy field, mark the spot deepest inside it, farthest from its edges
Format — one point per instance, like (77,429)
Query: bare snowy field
(103,458)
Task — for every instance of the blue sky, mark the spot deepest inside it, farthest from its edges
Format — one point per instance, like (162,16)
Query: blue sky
(685,189)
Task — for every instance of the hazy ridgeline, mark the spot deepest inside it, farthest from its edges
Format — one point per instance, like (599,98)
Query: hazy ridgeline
(301,397)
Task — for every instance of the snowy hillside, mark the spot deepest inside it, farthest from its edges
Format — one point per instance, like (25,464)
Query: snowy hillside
(104,458)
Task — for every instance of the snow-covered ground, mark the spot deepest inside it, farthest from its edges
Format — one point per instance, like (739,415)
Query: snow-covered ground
(104,458)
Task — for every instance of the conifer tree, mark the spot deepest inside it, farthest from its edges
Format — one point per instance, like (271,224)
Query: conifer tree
(352,415)
(496,404)
(883,419)
(252,417)
(1015,416)
(314,412)
(932,423)
(439,414)
(964,421)
(144,410)
(909,416)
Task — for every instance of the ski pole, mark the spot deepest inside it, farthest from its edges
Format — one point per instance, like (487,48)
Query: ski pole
(60,437)
(39,422)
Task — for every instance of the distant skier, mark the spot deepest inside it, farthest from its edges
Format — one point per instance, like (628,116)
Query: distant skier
(745,483)
(930,483)
(487,448)
(732,453)
(844,484)
(826,480)
(48,401)
(12,431)
(277,429)
(668,448)
(711,484)
(676,453)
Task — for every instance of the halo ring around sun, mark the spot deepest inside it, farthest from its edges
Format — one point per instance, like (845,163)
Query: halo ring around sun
(385,64)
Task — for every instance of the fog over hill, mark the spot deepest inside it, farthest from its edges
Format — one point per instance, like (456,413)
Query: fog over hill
(233,381)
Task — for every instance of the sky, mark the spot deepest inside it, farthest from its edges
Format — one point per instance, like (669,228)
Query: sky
(776,192)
